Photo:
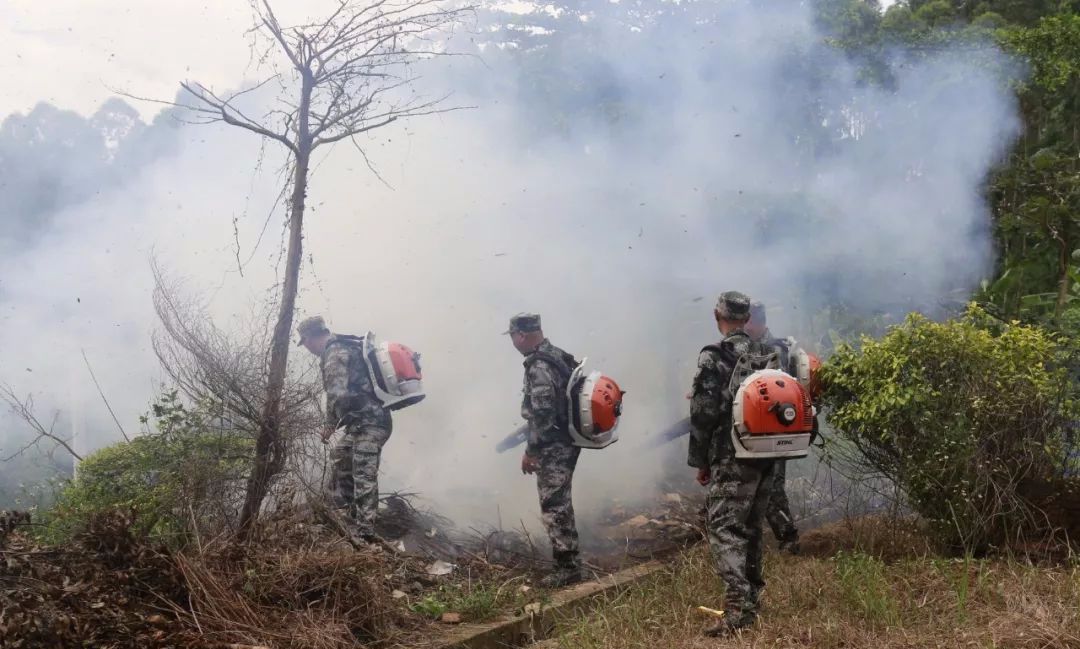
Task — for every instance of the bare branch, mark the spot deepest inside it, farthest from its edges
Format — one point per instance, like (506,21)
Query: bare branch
(370,166)
(101,393)
(231,115)
(24,410)
(270,21)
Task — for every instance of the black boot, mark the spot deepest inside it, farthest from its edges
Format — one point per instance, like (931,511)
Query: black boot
(733,622)
(790,544)
(567,571)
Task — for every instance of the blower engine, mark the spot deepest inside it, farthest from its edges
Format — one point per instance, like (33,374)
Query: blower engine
(395,373)
(594,405)
(772,417)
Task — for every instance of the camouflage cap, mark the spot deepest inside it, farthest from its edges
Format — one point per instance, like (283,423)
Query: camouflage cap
(524,323)
(757,311)
(733,305)
(312,326)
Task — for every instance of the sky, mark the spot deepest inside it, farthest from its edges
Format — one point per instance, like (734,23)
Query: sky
(75,53)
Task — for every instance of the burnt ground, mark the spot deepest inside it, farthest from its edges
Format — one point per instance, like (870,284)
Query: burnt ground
(299,583)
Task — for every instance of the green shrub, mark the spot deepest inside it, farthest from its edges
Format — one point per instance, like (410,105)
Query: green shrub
(961,415)
(180,481)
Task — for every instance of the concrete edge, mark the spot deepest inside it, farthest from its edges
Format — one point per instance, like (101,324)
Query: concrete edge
(522,630)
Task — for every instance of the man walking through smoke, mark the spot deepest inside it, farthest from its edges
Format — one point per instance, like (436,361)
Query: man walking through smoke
(738,489)
(778,512)
(549,453)
(350,403)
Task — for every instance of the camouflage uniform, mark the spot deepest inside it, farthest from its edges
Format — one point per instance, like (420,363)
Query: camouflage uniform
(547,371)
(351,402)
(738,489)
(778,511)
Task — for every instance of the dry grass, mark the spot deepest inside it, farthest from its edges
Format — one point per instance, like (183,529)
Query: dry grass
(310,599)
(888,539)
(850,600)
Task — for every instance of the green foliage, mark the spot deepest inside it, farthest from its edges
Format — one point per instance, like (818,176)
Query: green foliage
(866,589)
(1039,227)
(959,414)
(901,22)
(1037,196)
(1053,48)
(178,480)
(430,606)
(847,20)
(937,13)
(476,601)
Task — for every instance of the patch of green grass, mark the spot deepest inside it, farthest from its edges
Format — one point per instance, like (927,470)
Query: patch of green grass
(965,585)
(475,601)
(865,587)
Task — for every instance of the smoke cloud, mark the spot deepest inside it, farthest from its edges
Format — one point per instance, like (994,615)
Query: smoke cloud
(614,180)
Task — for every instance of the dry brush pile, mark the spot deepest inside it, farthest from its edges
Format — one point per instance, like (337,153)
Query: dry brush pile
(297,586)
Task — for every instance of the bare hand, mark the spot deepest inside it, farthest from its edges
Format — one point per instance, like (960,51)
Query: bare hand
(703,477)
(529,464)
(326,434)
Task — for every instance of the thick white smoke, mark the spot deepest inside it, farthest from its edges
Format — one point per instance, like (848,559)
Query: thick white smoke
(620,234)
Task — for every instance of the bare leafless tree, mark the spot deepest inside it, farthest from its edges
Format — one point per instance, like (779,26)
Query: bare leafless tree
(343,75)
(23,408)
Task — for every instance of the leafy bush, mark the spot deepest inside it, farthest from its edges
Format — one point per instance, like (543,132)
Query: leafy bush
(180,481)
(962,415)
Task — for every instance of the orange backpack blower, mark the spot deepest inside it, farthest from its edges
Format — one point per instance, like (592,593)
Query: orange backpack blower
(772,417)
(594,406)
(395,373)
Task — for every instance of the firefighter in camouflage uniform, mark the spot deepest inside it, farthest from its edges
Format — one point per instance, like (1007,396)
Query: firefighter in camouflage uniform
(549,453)
(350,404)
(738,490)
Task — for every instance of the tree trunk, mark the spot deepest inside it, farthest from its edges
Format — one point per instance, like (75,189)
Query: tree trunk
(269,446)
(1063,278)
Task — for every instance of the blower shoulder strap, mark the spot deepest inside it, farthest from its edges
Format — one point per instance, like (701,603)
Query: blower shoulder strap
(560,364)
(564,371)
(757,358)
(348,339)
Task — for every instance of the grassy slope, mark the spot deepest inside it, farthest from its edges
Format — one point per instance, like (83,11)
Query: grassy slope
(850,600)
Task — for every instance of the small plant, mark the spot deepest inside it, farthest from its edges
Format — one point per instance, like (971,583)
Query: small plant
(964,586)
(476,602)
(866,589)
(431,606)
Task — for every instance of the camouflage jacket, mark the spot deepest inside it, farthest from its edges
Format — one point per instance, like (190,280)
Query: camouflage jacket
(710,400)
(350,397)
(543,403)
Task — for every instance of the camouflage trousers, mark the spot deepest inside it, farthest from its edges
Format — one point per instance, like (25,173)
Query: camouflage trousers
(778,513)
(553,483)
(354,485)
(738,496)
